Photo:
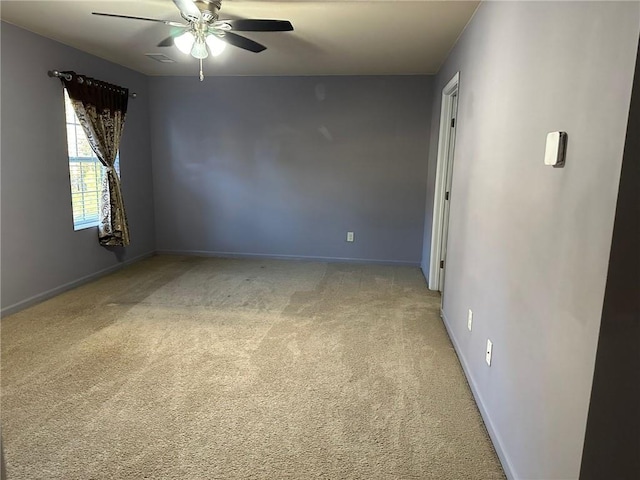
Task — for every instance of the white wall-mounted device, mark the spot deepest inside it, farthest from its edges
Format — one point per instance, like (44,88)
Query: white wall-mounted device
(556,149)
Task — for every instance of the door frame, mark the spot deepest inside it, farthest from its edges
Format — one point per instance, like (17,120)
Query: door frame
(444,138)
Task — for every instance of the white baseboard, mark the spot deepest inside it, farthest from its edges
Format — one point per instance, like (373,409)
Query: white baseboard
(204,253)
(16,307)
(493,433)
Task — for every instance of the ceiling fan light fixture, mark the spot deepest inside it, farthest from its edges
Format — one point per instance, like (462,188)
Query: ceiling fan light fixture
(199,49)
(185,42)
(216,45)
(205,34)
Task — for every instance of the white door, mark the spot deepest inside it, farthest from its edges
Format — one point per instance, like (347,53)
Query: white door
(442,192)
(447,191)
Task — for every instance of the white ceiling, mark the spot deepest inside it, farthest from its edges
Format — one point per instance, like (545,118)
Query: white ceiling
(330,37)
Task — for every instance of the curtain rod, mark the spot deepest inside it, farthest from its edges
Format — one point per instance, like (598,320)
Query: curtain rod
(57,74)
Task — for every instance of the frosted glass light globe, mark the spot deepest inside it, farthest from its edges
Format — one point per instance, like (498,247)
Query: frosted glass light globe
(199,50)
(216,45)
(185,42)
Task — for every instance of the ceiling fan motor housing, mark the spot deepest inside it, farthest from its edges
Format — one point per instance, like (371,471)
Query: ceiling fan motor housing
(208,9)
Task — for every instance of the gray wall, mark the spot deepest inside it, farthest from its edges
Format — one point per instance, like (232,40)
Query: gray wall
(612,441)
(285,166)
(41,253)
(529,244)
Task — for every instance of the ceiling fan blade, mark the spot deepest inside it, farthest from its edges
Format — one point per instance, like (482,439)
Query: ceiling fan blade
(242,42)
(167,42)
(188,8)
(245,25)
(166,22)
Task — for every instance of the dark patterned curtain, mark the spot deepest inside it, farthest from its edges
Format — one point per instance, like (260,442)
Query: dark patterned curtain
(101,108)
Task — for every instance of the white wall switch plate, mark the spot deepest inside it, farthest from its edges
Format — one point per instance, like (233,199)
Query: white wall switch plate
(349,236)
(556,149)
(489,350)
(469,319)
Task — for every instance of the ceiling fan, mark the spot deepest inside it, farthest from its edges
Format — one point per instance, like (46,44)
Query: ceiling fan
(205,33)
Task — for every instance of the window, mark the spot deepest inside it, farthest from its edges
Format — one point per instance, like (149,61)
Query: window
(85,172)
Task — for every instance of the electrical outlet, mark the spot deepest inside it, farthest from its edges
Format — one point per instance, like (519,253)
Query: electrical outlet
(489,351)
(349,236)
(469,319)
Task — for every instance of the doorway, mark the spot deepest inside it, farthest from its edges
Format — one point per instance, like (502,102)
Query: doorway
(444,180)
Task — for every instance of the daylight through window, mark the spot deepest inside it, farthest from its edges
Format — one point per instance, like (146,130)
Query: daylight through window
(85,172)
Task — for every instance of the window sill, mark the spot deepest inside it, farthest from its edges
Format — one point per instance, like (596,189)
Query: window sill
(84,226)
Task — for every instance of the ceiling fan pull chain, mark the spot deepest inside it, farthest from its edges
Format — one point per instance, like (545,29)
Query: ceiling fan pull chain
(201,74)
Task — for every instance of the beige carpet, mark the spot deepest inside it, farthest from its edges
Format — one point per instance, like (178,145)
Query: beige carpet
(202,368)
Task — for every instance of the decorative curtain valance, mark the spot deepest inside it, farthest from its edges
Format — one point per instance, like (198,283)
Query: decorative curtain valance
(101,108)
